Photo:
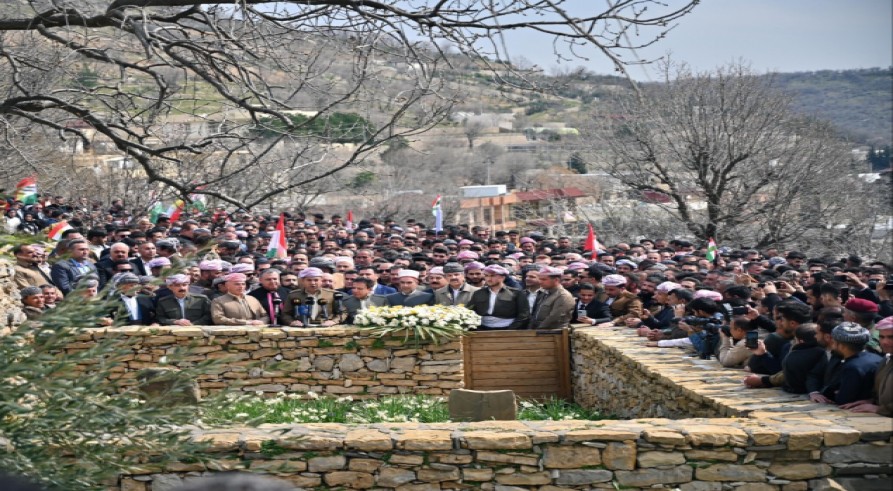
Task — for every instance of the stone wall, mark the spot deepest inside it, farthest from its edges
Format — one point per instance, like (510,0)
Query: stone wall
(10,302)
(691,455)
(332,361)
(615,372)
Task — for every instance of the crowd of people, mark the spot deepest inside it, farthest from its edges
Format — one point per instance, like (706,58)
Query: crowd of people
(820,326)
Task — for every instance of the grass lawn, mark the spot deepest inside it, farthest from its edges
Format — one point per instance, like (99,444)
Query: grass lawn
(311,408)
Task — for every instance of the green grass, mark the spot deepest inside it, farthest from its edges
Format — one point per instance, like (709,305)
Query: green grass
(310,408)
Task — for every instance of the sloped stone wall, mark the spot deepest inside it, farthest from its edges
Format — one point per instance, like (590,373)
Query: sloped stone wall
(335,361)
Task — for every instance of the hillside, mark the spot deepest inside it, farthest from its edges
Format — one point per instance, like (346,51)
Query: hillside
(859,102)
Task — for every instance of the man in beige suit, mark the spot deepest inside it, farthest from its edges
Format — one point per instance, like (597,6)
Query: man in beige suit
(26,271)
(457,291)
(554,305)
(234,308)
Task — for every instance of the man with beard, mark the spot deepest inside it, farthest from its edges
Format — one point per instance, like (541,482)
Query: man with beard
(319,302)
(881,401)
(554,305)
(500,307)
(474,274)
(27,273)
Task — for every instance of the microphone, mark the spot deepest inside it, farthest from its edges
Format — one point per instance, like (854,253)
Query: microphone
(323,313)
(308,310)
(339,303)
(274,309)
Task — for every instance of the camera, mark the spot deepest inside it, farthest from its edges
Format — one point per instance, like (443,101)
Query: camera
(751,339)
(739,310)
(711,327)
(889,284)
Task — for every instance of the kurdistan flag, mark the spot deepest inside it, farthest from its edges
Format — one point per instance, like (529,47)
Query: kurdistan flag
(278,248)
(711,250)
(26,191)
(56,231)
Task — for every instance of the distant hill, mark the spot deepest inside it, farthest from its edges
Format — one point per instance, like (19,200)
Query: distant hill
(859,102)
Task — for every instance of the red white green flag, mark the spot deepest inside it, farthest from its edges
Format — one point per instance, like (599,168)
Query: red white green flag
(349,222)
(711,250)
(278,248)
(174,210)
(58,228)
(26,191)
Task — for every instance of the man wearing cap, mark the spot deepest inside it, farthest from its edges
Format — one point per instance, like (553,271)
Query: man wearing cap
(554,305)
(408,294)
(157,266)
(127,307)
(436,279)
(457,291)
(623,304)
(499,306)
(32,302)
(318,302)
(474,274)
(854,380)
(881,401)
(182,308)
(209,269)
(862,312)
(235,308)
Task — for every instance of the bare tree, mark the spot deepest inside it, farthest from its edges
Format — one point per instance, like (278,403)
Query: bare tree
(199,94)
(729,156)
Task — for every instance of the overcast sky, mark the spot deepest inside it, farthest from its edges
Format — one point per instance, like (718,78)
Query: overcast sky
(773,35)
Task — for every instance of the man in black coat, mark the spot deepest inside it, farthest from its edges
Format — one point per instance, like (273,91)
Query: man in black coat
(182,308)
(500,307)
(128,308)
(596,312)
(271,294)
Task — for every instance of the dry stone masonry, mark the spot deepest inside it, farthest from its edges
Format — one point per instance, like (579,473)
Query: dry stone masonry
(334,361)
(691,455)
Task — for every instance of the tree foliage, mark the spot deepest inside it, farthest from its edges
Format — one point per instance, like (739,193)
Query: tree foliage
(65,422)
(181,87)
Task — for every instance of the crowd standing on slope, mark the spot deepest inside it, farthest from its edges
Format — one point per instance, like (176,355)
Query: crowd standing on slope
(810,325)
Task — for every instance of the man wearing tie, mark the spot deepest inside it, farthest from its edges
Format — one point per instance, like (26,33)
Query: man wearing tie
(361,298)
(270,294)
(234,308)
(182,308)
(457,291)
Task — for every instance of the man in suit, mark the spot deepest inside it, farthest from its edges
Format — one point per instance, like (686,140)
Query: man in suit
(408,295)
(361,298)
(270,294)
(499,306)
(457,291)
(106,267)
(319,302)
(369,272)
(182,308)
(554,305)
(145,253)
(127,307)
(67,272)
(234,308)
(595,312)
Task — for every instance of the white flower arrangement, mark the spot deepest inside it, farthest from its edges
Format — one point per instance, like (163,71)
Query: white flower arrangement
(425,323)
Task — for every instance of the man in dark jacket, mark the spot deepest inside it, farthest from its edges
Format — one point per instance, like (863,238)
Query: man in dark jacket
(270,294)
(182,308)
(799,374)
(595,312)
(500,307)
(855,379)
